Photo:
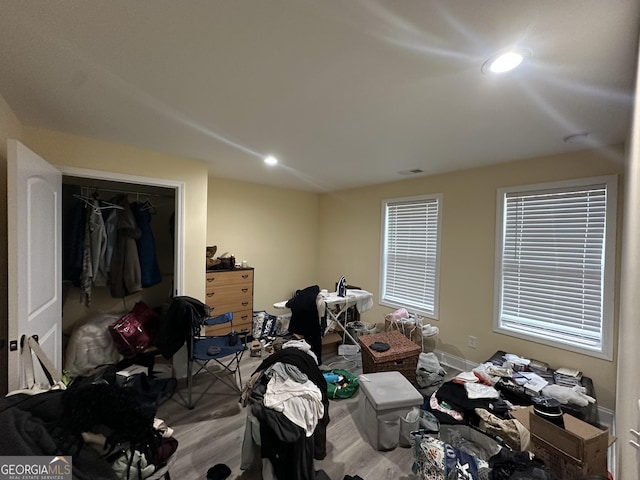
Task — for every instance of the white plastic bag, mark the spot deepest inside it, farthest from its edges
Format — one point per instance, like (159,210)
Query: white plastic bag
(429,371)
(91,345)
(574,395)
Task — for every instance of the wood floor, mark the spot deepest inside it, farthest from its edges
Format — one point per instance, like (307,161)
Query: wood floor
(212,433)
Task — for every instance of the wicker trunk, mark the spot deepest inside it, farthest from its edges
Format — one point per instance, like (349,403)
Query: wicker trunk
(402,355)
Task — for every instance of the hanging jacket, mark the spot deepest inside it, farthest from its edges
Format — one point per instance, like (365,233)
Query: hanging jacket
(149,268)
(95,243)
(73,241)
(125,276)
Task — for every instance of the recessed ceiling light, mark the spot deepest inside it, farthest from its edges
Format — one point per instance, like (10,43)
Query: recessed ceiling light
(270,160)
(505,61)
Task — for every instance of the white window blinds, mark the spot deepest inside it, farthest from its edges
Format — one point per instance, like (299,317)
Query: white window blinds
(410,254)
(553,264)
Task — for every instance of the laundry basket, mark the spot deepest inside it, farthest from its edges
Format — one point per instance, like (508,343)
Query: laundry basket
(357,329)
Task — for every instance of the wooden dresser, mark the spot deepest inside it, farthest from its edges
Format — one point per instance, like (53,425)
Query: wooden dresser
(230,291)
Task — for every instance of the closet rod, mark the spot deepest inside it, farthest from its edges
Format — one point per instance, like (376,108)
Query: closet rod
(128,192)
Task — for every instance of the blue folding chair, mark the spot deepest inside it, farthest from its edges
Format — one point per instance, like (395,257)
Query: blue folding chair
(207,351)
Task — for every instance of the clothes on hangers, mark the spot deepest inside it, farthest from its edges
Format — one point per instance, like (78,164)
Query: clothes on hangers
(126,275)
(149,268)
(95,238)
(109,243)
(73,241)
(147,206)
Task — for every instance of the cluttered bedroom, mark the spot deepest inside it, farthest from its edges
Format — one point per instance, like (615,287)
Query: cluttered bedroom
(160,386)
(319,240)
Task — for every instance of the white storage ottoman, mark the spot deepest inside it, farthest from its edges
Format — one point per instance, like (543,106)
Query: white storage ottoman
(385,400)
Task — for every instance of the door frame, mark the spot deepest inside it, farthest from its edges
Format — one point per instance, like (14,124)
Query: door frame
(178,281)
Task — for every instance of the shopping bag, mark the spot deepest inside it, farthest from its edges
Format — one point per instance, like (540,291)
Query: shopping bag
(30,347)
(264,325)
(133,331)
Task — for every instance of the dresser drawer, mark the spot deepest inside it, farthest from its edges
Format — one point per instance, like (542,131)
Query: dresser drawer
(228,290)
(241,320)
(234,294)
(233,277)
(223,305)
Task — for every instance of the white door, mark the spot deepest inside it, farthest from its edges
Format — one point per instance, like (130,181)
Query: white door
(34,256)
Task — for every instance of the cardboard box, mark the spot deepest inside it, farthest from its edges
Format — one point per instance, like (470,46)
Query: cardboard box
(578,450)
(330,343)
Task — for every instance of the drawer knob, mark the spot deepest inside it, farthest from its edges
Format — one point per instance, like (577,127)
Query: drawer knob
(210,294)
(245,276)
(210,279)
(244,290)
(244,304)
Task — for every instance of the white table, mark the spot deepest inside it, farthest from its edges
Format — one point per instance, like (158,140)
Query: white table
(335,307)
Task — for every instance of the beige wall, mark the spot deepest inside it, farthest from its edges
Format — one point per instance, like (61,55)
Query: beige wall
(80,152)
(350,245)
(275,230)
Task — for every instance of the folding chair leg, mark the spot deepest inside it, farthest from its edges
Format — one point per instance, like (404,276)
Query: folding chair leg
(234,383)
(189,384)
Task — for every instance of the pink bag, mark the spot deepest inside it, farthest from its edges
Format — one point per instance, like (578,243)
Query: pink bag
(132,333)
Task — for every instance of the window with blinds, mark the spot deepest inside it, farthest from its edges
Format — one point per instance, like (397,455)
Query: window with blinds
(410,254)
(555,263)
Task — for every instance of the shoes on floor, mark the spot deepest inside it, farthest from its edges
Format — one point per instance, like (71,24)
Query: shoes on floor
(218,472)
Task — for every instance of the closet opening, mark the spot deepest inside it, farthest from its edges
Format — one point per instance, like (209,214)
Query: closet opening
(94,297)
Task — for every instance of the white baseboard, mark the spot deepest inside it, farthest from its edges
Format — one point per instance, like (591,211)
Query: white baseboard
(452,361)
(606,417)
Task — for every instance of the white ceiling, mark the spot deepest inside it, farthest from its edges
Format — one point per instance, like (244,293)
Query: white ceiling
(344,92)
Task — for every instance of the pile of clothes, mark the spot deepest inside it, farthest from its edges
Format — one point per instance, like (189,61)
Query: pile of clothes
(106,430)
(477,437)
(288,414)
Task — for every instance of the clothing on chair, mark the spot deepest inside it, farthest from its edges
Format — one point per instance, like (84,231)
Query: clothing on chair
(174,328)
(305,320)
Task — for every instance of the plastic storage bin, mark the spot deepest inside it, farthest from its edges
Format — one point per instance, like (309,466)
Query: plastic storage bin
(385,401)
